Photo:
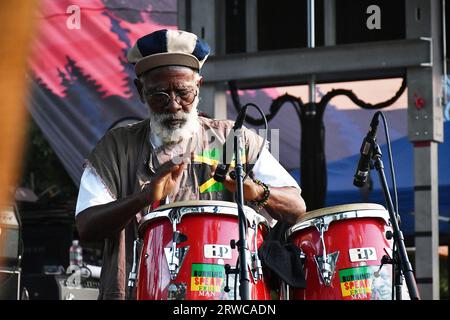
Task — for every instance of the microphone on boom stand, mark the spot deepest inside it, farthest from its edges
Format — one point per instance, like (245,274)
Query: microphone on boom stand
(362,171)
(222,169)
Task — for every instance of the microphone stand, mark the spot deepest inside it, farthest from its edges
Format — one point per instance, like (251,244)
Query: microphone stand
(244,277)
(400,255)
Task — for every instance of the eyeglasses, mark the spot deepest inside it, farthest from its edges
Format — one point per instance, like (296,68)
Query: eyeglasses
(162,99)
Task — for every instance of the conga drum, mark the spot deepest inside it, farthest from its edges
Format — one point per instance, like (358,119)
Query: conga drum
(187,250)
(343,247)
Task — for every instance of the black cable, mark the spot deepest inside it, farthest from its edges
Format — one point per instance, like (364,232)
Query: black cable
(266,128)
(391,163)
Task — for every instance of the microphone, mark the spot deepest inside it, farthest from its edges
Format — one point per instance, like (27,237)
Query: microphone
(362,171)
(222,169)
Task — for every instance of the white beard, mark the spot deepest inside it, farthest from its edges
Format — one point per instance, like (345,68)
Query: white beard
(168,135)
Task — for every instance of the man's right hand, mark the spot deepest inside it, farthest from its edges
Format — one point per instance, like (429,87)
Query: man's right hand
(166,180)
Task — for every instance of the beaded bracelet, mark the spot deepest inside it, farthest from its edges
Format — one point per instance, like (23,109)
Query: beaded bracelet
(260,204)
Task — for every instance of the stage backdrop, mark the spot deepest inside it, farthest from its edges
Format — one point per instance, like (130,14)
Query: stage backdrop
(82,84)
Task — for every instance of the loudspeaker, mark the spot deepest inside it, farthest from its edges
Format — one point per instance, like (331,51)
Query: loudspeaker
(9,284)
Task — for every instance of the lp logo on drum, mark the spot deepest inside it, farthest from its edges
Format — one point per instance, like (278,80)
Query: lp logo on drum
(217,251)
(362,254)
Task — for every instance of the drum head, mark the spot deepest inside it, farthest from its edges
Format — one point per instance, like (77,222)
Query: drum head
(200,207)
(200,203)
(340,212)
(340,208)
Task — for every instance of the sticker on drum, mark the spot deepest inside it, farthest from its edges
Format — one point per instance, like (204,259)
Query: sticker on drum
(207,280)
(361,283)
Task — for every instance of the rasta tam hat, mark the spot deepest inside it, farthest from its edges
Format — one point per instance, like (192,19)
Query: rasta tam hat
(168,48)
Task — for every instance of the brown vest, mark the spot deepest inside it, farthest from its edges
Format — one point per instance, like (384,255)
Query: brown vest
(125,160)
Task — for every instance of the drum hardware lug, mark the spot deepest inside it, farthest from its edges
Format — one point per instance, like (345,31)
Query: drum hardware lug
(179,237)
(175,257)
(326,268)
(133,273)
(326,263)
(175,216)
(257,272)
(228,271)
(322,225)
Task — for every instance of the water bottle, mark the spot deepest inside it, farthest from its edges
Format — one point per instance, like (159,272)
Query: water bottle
(76,254)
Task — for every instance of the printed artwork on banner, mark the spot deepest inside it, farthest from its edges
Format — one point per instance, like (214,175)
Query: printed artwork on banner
(209,280)
(361,283)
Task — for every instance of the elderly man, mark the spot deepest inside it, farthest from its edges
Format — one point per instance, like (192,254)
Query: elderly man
(161,159)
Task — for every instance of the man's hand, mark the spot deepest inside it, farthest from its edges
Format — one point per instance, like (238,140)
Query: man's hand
(167,179)
(284,204)
(252,191)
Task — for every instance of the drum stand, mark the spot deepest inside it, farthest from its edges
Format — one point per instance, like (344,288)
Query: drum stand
(400,258)
(244,276)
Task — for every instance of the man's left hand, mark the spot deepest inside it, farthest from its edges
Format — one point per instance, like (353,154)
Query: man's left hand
(252,191)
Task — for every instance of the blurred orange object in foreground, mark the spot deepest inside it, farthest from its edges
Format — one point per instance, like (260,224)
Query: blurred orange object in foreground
(17,19)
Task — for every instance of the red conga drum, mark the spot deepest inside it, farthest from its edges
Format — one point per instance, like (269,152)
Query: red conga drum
(343,247)
(186,247)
